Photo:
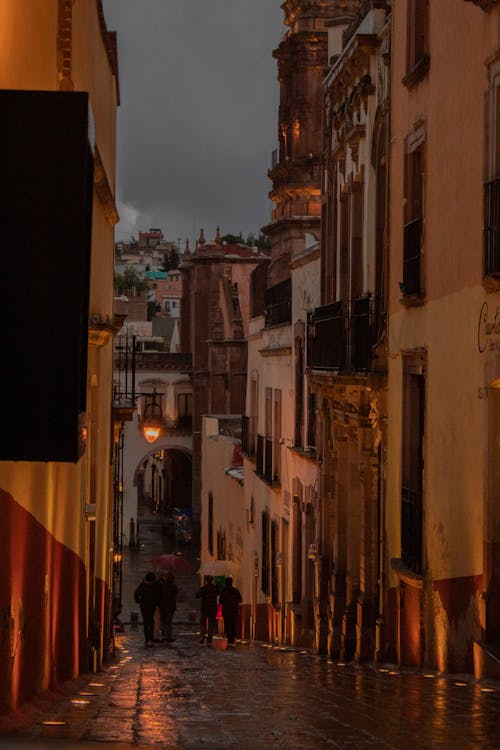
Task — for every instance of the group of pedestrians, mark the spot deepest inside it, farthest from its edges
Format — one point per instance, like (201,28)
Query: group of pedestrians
(154,594)
(229,598)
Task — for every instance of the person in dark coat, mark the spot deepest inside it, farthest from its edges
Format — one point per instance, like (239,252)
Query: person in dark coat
(168,606)
(148,597)
(208,610)
(230,599)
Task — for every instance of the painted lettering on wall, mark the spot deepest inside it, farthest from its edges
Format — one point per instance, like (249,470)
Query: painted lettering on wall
(488,329)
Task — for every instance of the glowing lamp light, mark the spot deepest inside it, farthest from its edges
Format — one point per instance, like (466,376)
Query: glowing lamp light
(151,433)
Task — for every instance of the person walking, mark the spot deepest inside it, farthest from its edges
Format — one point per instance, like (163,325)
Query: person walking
(148,597)
(230,599)
(208,610)
(168,606)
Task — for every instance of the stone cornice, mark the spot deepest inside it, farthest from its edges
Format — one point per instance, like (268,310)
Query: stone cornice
(276,351)
(290,221)
(306,256)
(103,190)
(484,4)
(100,333)
(111,47)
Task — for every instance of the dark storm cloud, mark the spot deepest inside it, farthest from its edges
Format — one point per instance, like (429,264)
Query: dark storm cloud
(198,115)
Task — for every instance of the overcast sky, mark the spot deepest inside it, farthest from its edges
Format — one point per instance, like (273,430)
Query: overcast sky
(198,116)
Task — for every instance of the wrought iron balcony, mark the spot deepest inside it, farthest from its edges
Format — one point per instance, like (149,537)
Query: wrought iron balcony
(340,336)
(278,303)
(327,338)
(491,260)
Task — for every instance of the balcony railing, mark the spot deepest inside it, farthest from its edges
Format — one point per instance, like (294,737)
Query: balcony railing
(278,303)
(361,334)
(341,336)
(492,227)
(327,339)
(412,254)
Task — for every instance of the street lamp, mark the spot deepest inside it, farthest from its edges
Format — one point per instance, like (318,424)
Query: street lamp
(152,418)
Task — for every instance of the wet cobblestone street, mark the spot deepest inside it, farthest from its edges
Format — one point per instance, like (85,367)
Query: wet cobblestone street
(192,697)
(184,696)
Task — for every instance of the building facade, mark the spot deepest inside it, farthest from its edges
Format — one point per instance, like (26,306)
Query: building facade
(214,329)
(279,439)
(59,81)
(442,462)
(347,334)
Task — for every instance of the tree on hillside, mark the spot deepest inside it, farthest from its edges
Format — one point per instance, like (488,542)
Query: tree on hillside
(261,241)
(233,239)
(128,280)
(170,260)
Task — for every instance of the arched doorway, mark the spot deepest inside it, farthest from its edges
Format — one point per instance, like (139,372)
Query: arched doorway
(163,479)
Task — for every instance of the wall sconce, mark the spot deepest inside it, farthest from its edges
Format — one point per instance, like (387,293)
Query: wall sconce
(312,552)
(279,559)
(152,419)
(117,557)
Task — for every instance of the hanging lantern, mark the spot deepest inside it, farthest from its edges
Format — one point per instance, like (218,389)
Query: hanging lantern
(152,420)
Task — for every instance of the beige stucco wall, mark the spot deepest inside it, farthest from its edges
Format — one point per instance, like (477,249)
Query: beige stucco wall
(56,494)
(450,105)
(28,25)
(229,511)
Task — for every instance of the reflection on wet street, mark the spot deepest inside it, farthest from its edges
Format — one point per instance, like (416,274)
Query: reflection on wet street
(186,696)
(189,696)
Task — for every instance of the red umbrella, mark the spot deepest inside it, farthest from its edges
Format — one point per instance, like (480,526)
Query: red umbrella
(172,561)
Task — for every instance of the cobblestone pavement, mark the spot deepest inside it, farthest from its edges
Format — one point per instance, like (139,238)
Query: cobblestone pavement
(184,696)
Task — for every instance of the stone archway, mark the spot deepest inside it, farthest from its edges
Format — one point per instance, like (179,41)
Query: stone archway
(146,489)
(174,475)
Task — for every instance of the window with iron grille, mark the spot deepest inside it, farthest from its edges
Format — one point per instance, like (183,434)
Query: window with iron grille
(412,283)
(412,464)
(276,471)
(297,551)
(184,408)
(265,583)
(210,524)
(311,418)
(491,260)
(278,303)
(417,43)
(244,435)
(299,392)
(259,467)
(274,566)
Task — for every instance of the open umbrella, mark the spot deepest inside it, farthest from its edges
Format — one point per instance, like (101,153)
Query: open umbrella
(172,561)
(219,568)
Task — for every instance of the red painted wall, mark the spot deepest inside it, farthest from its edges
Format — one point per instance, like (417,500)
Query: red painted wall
(42,608)
(457,596)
